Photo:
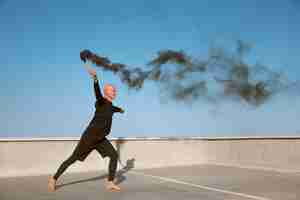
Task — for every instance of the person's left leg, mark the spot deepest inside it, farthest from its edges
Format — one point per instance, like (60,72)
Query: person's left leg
(112,166)
(105,148)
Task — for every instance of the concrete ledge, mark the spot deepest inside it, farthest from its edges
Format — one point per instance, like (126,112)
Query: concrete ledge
(17,139)
(35,156)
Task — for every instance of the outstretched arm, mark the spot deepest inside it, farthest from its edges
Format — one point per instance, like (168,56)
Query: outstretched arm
(97,90)
(117,109)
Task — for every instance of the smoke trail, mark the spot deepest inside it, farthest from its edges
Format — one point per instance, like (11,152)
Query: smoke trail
(134,78)
(186,78)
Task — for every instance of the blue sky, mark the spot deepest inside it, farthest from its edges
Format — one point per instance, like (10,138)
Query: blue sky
(45,91)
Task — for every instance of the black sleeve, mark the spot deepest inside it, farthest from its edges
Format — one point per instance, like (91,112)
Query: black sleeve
(117,109)
(97,91)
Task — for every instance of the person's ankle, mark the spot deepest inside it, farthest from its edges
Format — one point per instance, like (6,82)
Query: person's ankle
(109,179)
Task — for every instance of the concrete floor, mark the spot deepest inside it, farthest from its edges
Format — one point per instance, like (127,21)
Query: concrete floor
(207,182)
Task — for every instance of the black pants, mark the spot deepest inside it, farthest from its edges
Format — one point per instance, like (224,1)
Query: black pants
(104,148)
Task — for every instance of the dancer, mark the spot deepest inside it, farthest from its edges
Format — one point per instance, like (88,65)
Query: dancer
(94,137)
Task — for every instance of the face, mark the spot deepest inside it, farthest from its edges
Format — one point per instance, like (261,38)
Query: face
(110,92)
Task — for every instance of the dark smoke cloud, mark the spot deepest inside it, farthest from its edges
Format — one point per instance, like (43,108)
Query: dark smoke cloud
(134,78)
(186,78)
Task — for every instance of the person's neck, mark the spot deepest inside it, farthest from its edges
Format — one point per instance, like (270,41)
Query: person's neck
(108,99)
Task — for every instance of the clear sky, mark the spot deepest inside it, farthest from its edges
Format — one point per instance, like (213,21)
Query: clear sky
(45,91)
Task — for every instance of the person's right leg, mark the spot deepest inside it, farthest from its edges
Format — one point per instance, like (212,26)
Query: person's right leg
(64,166)
(52,179)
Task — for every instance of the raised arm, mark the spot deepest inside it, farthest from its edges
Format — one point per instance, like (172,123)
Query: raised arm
(117,109)
(93,74)
(97,90)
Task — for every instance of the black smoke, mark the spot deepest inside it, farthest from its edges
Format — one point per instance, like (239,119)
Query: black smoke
(187,78)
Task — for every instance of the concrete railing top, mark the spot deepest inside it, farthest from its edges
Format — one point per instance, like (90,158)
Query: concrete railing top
(20,139)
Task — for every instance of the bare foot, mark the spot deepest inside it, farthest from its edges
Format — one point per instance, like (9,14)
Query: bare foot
(110,185)
(51,184)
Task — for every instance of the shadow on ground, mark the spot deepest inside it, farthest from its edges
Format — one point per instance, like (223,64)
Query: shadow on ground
(120,175)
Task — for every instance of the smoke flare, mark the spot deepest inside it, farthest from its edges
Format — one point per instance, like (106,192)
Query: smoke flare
(188,78)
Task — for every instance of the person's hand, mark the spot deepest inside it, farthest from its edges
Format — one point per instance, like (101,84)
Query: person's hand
(121,110)
(92,72)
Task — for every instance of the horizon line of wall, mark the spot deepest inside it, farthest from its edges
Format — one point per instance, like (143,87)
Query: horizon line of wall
(36,156)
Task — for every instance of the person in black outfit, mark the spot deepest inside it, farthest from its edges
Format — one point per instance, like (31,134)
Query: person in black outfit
(94,136)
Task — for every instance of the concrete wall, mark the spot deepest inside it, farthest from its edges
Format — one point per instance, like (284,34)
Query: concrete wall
(280,154)
(22,157)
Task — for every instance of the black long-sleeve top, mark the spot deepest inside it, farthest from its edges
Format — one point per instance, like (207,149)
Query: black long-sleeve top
(102,119)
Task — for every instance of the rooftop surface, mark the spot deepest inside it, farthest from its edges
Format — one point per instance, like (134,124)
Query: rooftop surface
(199,182)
